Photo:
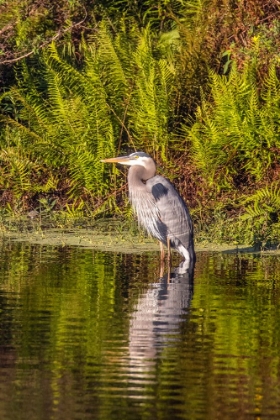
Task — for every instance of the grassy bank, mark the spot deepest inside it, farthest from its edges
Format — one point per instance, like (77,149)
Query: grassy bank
(115,235)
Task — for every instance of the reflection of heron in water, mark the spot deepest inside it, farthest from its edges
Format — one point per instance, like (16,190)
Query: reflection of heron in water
(157,316)
(159,207)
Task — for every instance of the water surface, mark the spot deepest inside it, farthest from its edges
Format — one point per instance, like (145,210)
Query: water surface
(86,334)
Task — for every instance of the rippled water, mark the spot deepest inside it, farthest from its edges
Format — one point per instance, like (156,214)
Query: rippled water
(93,335)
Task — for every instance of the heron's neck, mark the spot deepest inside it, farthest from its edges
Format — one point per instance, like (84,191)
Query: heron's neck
(138,174)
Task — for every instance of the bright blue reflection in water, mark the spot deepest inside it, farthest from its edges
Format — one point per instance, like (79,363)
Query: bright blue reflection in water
(92,335)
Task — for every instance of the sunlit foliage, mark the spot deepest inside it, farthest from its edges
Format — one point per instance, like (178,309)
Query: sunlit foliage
(192,82)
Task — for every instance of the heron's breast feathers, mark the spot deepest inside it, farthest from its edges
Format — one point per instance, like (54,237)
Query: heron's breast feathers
(148,214)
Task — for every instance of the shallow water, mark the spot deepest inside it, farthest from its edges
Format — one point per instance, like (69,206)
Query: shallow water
(93,335)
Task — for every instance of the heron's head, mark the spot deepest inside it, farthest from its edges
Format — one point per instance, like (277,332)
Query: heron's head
(136,159)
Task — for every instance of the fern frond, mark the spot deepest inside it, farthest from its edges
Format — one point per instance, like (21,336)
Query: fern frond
(19,169)
(263,202)
(238,130)
(151,98)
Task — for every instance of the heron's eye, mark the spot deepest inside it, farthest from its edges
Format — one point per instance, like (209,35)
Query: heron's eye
(136,157)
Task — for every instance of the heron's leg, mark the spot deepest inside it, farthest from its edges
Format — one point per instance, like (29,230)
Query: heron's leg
(168,251)
(161,270)
(168,272)
(168,260)
(161,251)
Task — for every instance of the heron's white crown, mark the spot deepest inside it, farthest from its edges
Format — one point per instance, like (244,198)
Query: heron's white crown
(136,159)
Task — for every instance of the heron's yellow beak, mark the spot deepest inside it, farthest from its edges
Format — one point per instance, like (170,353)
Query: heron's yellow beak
(120,159)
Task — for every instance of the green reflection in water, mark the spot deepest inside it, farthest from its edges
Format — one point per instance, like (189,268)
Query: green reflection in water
(86,334)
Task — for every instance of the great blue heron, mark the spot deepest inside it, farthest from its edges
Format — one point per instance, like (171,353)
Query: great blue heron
(158,206)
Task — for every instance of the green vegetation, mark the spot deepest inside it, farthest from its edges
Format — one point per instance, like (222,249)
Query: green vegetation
(194,83)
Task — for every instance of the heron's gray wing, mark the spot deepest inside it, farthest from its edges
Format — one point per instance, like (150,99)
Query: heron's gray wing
(173,211)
